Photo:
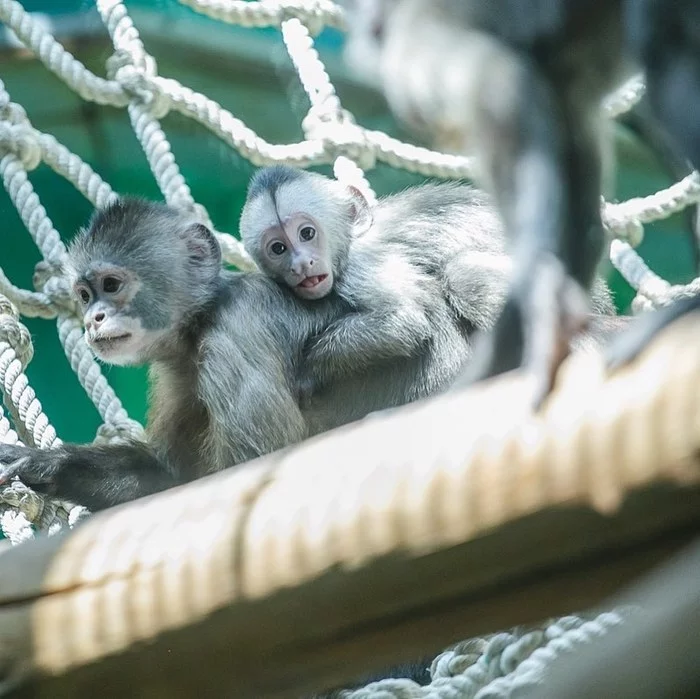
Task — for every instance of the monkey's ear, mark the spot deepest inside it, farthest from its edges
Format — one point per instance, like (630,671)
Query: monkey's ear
(203,248)
(361,211)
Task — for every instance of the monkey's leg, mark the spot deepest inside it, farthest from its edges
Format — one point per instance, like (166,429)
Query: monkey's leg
(94,476)
(476,285)
(543,163)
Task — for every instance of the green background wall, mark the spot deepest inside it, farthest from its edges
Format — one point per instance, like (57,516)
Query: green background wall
(247,72)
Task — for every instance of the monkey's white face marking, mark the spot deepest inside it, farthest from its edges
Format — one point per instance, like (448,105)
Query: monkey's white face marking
(295,248)
(122,340)
(114,333)
(299,232)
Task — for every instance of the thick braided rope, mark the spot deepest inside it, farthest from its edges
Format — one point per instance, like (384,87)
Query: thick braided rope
(21,510)
(13,170)
(326,119)
(498,666)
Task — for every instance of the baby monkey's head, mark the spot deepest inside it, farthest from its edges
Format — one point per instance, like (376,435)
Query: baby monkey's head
(298,225)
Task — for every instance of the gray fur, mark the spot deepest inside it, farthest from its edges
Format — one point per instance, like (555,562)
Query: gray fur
(431,270)
(228,351)
(519,84)
(269,179)
(222,367)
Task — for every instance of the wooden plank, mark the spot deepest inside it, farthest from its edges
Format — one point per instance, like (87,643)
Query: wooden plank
(381,541)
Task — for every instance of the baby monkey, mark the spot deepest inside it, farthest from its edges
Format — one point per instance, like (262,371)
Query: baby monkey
(421,271)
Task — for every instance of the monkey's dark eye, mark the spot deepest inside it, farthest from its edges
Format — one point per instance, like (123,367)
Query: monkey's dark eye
(307,233)
(278,248)
(84,294)
(111,285)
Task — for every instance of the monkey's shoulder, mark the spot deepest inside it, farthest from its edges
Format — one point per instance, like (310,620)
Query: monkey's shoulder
(432,199)
(378,278)
(436,217)
(254,304)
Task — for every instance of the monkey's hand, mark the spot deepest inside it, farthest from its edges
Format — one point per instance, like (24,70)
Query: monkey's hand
(308,383)
(32,466)
(627,346)
(96,476)
(540,318)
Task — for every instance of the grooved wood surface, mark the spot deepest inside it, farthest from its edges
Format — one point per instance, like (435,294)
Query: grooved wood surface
(380,541)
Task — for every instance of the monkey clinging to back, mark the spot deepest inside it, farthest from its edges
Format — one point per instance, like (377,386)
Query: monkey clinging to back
(421,271)
(225,349)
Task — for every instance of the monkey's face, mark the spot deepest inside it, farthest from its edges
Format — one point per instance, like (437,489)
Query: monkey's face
(369,27)
(366,24)
(296,251)
(407,49)
(117,328)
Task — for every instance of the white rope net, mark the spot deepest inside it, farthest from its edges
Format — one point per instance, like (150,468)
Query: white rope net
(331,137)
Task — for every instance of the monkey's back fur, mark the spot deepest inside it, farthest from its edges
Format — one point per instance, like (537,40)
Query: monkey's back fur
(433,265)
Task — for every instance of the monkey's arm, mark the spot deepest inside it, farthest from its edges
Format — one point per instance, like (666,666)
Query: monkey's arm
(360,339)
(246,385)
(94,476)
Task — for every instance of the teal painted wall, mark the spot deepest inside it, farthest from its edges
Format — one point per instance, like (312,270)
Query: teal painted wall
(268,100)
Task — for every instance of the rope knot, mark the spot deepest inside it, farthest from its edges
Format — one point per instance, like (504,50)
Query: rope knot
(136,80)
(51,280)
(12,112)
(16,494)
(457,660)
(21,140)
(115,433)
(340,135)
(623,227)
(311,13)
(15,333)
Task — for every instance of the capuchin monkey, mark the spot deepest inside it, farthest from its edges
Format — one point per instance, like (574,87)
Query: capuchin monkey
(222,349)
(226,349)
(422,269)
(520,83)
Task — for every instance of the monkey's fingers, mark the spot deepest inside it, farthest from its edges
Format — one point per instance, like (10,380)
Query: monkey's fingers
(628,345)
(15,468)
(32,466)
(546,363)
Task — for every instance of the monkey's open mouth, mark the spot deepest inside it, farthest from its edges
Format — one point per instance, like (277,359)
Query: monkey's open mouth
(109,340)
(311,282)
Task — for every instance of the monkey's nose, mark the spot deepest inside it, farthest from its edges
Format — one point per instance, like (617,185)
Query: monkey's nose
(95,322)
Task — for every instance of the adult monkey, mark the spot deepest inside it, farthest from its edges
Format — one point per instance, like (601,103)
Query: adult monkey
(522,80)
(222,349)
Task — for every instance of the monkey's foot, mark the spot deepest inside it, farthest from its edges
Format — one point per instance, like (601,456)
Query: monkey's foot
(540,318)
(306,383)
(557,310)
(627,346)
(27,464)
